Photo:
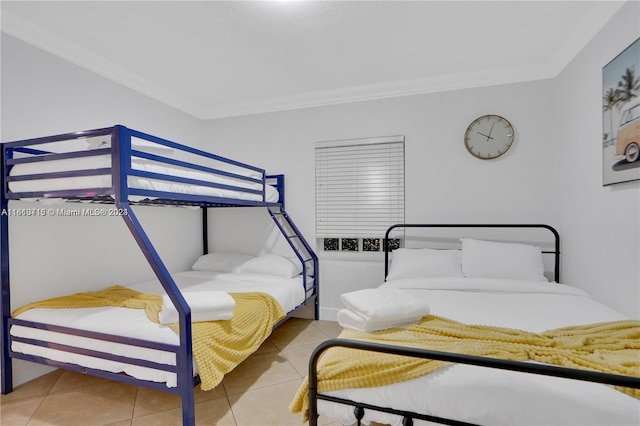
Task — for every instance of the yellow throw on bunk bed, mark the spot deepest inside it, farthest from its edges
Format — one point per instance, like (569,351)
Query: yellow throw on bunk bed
(611,347)
(218,346)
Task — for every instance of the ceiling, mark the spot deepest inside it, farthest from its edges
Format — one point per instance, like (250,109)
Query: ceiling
(215,59)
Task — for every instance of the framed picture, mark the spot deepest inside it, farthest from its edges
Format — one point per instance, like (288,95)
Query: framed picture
(621,117)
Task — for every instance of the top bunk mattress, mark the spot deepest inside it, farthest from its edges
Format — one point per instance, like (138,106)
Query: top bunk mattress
(89,166)
(103,162)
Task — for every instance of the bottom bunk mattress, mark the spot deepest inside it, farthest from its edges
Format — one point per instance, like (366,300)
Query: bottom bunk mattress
(475,394)
(286,293)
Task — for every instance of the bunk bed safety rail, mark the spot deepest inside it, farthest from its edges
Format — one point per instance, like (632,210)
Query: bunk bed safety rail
(129,341)
(21,152)
(277,181)
(130,165)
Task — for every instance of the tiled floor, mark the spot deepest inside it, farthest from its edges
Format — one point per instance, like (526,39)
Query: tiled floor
(256,393)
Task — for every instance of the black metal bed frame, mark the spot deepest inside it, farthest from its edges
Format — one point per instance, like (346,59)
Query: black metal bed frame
(556,237)
(496,363)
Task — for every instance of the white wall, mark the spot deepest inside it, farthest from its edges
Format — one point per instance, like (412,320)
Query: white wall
(443,182)
(600,225)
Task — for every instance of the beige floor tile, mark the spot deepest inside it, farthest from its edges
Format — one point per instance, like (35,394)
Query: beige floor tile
(90,405)
(299,356)
(267,406)
(165,418)
(36,387)
(217,392)
(213,412)
(259,371)
(70,380)
(126,422)
(149,401)
(19,412)
(267,346)
(296,322)
(297,335)
(330,328)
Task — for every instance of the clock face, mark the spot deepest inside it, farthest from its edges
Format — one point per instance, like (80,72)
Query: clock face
(488,137)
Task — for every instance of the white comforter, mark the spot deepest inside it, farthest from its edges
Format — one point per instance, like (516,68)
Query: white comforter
(488,396)
(288,292)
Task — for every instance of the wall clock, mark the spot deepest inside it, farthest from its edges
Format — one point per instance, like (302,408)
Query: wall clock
(488,137)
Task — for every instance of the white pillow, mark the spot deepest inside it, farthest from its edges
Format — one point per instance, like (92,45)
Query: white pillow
(271,264)
(220,262)
(491,259)
(424,263)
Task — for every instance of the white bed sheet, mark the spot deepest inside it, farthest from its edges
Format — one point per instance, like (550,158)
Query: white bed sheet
(104,181)
(288,292)
(498,397)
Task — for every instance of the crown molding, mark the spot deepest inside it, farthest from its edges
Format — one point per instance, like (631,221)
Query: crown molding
(89,60)
(394,89)
(599,15)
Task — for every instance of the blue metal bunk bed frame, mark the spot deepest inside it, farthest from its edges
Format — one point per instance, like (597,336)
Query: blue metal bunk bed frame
(408,417)
(121,152)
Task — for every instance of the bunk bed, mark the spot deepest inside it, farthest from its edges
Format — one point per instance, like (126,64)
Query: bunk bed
(121,167)
(481,353)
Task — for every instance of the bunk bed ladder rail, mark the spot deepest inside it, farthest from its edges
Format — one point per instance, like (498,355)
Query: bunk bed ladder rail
(302,249)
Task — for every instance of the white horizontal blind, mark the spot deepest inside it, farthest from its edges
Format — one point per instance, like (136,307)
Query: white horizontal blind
(359,187)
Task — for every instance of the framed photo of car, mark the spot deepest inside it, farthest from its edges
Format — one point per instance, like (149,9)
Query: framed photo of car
(621,117)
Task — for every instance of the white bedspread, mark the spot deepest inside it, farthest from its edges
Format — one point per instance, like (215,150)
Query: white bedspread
(288,292)
(488,396)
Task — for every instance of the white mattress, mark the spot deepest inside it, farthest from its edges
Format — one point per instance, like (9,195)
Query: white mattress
(489,396)
(104,181)
(288,292)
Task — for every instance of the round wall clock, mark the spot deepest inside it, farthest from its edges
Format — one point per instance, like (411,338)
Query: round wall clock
(488,137)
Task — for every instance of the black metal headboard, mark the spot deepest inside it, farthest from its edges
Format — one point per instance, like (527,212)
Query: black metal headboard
(555,252)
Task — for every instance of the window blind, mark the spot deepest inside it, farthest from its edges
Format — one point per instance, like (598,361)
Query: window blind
(359,187)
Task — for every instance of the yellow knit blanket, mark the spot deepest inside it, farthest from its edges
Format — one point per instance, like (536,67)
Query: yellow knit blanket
(218,346)
(612,347)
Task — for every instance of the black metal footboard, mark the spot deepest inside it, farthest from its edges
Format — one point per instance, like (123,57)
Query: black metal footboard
(408,416)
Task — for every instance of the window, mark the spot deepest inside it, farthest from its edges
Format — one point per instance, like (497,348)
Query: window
(359,192)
